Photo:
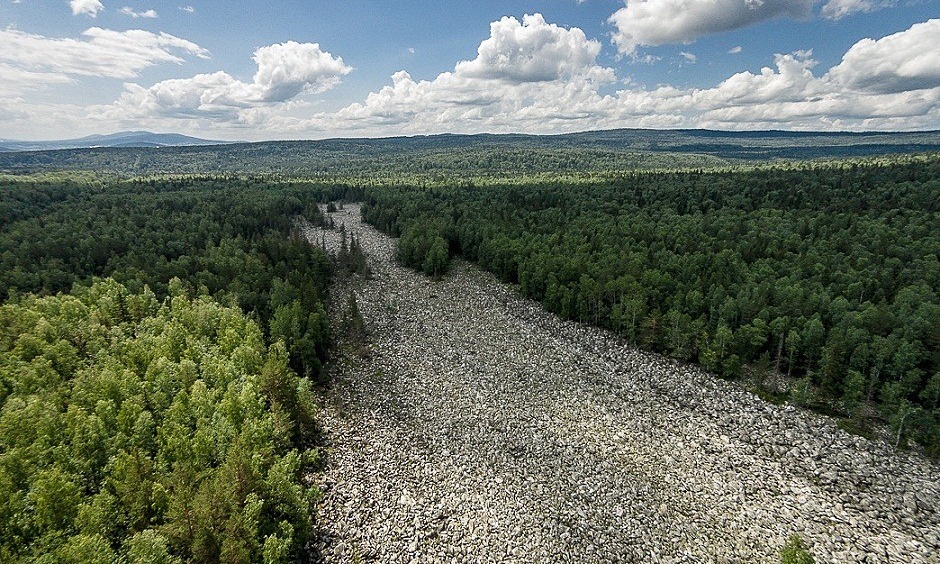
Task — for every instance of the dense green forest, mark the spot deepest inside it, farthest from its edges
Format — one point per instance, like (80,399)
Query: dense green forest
(233,239)
(151,431)
(827,274)
(345,161)
(158,413)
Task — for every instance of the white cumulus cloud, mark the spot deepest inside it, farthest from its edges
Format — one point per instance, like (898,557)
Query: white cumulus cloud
(791,80)
(908,60)
(285,70)
(147,14)
(88,7)
(657,22)
(531,51)
(526,73)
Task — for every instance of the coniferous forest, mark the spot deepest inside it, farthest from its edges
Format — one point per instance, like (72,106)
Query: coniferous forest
(158,347)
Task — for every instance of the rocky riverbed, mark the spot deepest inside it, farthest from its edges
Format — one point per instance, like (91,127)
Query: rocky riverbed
(475,427)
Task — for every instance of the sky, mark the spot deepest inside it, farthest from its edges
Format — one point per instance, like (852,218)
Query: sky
(313,69)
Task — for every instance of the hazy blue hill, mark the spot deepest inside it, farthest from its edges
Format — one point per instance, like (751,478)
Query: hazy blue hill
(121,139)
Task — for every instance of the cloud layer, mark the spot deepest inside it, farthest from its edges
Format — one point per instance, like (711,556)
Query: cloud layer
(890,83)
(658,22)
(531,70)
(102,52)
(146,14)
(285,70)
(909,60)
(528,75)
(530,51)
(87,7)
(837,9)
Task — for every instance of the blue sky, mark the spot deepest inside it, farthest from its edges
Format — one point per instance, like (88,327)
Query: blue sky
(291,69)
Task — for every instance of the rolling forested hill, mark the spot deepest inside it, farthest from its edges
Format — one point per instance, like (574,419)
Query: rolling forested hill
(478,155)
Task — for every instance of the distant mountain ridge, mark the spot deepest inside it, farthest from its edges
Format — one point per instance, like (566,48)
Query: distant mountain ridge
(141,139)
(635,139)
(463,155)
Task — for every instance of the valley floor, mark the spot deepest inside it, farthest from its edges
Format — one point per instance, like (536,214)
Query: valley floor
(476,427)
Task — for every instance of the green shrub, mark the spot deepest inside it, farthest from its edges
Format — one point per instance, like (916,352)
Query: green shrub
(795,552)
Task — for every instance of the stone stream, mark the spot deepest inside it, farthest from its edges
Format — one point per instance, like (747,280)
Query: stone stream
(473,426)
